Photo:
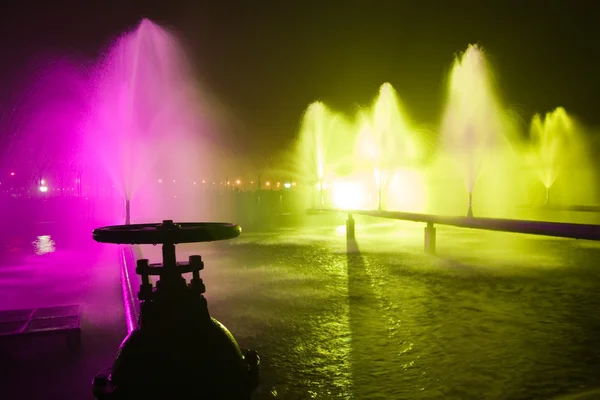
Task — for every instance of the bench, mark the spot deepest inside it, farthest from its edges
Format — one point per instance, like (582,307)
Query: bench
(44,321)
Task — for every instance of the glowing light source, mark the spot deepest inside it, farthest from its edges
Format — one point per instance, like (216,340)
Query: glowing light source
(348,195)
(238,182)
(43,189)
(12,174)
(287,185)
(43,245)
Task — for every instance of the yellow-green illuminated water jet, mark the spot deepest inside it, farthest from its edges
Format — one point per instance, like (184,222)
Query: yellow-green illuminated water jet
(558,150)
(386,141)
(380,160)
(476,132)
(325,144)
(359,164)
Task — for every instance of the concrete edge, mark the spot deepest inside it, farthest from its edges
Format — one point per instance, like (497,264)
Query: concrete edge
(129,285)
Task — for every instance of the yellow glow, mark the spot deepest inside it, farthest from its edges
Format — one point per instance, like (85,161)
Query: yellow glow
(348,195)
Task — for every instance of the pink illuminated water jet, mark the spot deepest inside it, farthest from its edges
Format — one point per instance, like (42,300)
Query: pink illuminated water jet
(150,120)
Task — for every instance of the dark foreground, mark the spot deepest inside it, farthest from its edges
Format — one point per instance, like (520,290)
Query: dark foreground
(492,316)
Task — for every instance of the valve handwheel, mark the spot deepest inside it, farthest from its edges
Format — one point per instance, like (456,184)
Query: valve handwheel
(177,350)
(167,232)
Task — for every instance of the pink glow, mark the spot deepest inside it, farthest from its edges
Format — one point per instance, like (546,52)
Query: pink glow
(113,129)
(149,119)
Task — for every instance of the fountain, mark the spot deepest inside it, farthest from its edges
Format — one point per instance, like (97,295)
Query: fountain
(558,152)
(387,144)
(388,164)
(477,133)
(325,144)
(150,128)
(356,162)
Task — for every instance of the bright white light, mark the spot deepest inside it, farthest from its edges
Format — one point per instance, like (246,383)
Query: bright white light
(348,195)
(287,185)
(43,189)
(43,245)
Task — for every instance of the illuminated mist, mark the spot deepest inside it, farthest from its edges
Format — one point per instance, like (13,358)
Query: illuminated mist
(358,163)
(560,160)
(390,148)
(149,127)
(476,135)
(325,144)
(482,156)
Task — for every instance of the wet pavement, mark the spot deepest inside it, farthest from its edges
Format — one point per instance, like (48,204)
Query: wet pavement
(491,316)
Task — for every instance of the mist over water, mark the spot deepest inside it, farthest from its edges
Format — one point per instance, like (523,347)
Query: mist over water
(480,150)
(560,158)
(137,125)
(150,127)
(133,125)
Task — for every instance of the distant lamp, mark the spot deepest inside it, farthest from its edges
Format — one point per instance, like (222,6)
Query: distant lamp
(287,185)
(43,189)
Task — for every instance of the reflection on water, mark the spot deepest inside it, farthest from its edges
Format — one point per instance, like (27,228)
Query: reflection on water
(492,316)
(43,245)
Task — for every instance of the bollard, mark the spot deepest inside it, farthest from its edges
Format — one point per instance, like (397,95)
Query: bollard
(430,238)
(350,227)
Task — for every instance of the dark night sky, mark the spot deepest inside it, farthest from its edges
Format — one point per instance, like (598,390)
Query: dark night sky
(268,59)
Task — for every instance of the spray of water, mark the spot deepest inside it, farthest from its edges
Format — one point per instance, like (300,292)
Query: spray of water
(149,126)
(325,143)
(477,132)
(559,158)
